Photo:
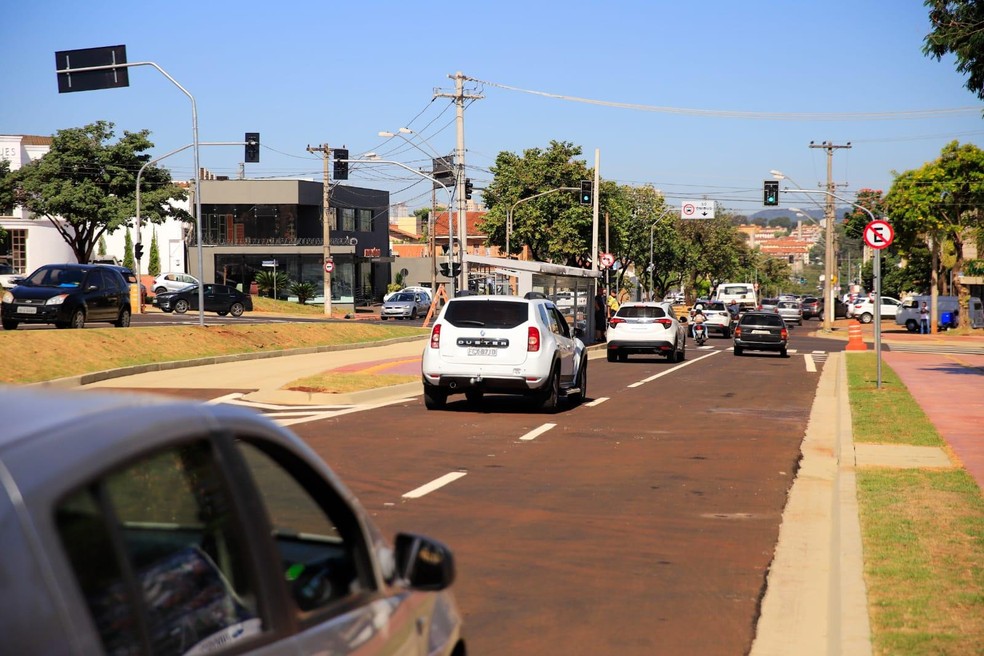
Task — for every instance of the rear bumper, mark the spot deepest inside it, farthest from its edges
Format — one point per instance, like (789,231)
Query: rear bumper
(759,346)
(461,383)
(651,346)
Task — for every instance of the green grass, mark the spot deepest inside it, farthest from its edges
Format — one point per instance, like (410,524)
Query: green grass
(888,415)
(922,530)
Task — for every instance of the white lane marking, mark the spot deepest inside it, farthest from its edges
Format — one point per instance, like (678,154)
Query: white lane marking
(672,369)
(598,401)
(811,366)
(317,416)
(537,432)
(436,484)
(225,399)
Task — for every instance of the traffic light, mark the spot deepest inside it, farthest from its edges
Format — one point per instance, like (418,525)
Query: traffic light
(341,164)
(252,155)
(137,251)
(455,269)
(468,188)
(770,195)
(586,192)
(445,270)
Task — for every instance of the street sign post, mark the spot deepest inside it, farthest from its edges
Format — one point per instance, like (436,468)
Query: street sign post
(329,266)
(878,234)
(697,209)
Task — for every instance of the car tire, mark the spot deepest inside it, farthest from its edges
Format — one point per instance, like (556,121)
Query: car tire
(160,290)
(413,313)
(181,306)
(78,319)
(10,324)
(683,351)
(727,333)
(124,319)
(582,383)
(222,313)
(912,326)
(434,398)
(865,318)
(550,397)
(612,355)
(474,396)
(783,353)
(382,318)
(738,350)
(237,309)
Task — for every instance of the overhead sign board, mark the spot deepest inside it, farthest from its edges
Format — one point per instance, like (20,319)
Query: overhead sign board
(878,234)
(270,263)
(112,76)
(697,209)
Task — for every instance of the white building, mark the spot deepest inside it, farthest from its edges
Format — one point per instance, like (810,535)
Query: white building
(32,242)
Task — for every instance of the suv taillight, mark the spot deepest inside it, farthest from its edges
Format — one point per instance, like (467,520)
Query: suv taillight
(666,323)
(533,339)
(784,333)
(436,337)
(615,321)
(737,331)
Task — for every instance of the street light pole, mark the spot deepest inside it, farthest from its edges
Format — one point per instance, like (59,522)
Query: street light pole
(651,263)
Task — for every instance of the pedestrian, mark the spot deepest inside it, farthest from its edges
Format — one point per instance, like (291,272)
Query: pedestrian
(924,319)
(613,304)
(601,314)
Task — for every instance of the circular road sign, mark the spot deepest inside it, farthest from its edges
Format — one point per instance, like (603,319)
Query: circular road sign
(607,259)
(878,234)
(688,209)
(329,266)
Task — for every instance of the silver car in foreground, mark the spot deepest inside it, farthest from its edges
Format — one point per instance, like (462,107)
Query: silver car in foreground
(405,305)
(141,525)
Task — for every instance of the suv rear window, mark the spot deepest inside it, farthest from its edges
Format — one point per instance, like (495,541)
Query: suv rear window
(491,314)
(641,312)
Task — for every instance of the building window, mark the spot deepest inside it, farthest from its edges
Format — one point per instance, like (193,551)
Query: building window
(13,250)
(348,219)
(364,220)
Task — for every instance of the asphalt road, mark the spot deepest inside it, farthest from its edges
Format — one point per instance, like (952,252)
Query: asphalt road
(640,522)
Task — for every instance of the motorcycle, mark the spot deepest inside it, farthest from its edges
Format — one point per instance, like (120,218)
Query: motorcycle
(700,333)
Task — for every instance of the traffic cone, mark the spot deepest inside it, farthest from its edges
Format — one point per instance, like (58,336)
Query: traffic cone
(854,341)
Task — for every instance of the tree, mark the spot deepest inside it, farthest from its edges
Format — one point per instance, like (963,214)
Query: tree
(154,263)
(957,29)
(940,203)
(304,291)
(86,187)
(128,251)
(555,227)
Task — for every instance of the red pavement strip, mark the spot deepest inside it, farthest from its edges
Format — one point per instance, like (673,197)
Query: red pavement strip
(408,366)
(950,390)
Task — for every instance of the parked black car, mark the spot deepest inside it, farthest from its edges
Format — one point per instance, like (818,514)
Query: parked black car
(220,299)
(761,331)
(68,295)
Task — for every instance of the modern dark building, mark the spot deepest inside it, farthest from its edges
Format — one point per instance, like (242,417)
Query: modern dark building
(247,223)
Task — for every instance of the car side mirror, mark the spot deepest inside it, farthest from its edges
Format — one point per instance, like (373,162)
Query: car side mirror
(424,563)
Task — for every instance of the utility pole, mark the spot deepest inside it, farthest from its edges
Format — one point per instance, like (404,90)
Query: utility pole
(829,257)
(459,100)
(325,223)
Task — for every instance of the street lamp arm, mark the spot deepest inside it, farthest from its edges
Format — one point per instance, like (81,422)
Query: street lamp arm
(523,200)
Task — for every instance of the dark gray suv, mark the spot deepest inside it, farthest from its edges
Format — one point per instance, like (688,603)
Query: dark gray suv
(761,331)
(68,295)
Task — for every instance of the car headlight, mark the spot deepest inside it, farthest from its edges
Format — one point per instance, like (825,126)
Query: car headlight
(8,297)
(56,300)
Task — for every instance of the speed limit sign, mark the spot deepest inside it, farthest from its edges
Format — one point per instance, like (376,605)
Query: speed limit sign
(329,266)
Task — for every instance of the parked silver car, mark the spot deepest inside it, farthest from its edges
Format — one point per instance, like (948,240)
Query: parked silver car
(791,312)
(137,524)
(405,305)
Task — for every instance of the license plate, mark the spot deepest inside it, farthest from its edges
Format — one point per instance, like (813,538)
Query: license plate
(483,352)
(26,309)
(761,332)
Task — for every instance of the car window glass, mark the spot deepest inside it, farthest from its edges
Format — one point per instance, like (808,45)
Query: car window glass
(95,279)
(491,314)
(640,312)
(558,323)
(323,555)
(157,553)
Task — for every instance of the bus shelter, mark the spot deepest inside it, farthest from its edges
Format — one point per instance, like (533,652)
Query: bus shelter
(570,288)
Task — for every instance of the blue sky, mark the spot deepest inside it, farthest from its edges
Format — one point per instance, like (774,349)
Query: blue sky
(303,73)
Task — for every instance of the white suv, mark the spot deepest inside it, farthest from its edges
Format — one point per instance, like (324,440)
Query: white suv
(172,282)
(503,344)
(864,309)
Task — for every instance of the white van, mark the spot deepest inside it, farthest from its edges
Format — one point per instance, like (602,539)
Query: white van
(908,313)
(742,293)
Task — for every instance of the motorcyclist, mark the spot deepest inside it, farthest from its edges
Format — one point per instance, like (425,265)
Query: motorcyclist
(698,317)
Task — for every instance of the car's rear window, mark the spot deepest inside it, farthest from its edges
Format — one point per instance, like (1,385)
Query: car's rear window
(791,305)
(491,314)
(640,312)
(716,306)
(762,320)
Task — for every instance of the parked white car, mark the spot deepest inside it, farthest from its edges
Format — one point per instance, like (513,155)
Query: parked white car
(864,309)
(405,305)
(419,290)
(503,345)
(172,282)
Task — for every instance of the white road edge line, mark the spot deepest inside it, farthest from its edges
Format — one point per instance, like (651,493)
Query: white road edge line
(671,370)
(537,432)
(811,366)
(598,401)
(436,484)
(225,399)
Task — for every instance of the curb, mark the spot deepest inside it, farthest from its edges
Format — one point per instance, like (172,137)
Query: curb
(97,376)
